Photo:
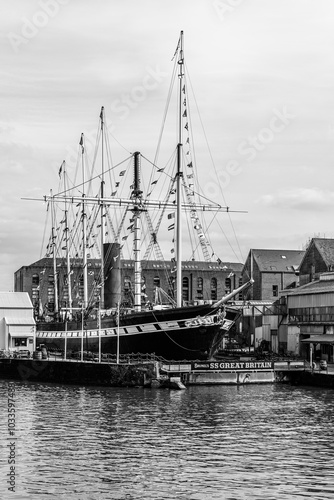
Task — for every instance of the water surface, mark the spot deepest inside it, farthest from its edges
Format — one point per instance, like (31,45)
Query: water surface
(259,442)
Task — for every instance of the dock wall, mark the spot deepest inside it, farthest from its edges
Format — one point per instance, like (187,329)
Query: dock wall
(83,373)
(316,379)
(249,377)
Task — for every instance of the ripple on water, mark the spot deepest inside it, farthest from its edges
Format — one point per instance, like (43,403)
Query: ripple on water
(252,442)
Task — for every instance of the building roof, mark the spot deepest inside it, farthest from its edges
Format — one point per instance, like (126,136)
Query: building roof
(20,321)
(326,249)
(15,300)
(318,286)
(47,263)
(319,339)
(249,303)
(283,261)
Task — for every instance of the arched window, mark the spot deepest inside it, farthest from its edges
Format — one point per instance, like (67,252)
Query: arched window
(127,283)
(51,299)
(81,287)
(185,289)
(51,293)
(199,294)
(35,290)
(127,291)
(213,286)
(143,290)
(156,281)
(240,295)
(35,279)
(171,286)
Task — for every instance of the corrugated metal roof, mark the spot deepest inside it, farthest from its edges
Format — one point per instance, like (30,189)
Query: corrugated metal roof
(15,300)
(283,261)
(319,339)
(321,286)
(248,303)
(20,321)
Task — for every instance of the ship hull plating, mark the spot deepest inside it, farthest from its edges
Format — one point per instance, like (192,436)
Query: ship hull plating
(187,333)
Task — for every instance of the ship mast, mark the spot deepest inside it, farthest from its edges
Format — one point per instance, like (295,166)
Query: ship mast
(84,229)
(67,246)
(102,209)
(137,209)
(179,176)
(54,257)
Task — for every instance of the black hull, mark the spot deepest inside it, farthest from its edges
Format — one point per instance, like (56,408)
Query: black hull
(173,334)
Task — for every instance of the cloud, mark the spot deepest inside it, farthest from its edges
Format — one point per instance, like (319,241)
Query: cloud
(299,198)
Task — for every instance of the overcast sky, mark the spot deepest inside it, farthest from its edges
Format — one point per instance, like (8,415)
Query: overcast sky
(263,76)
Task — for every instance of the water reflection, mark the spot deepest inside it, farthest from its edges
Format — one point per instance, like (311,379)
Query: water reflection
(252,442)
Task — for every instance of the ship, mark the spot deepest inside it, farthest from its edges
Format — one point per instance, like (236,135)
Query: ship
(100,323)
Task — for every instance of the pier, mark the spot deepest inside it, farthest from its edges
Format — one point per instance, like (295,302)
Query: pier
(149,371)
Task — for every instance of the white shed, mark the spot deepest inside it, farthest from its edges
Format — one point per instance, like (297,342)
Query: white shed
(17,324)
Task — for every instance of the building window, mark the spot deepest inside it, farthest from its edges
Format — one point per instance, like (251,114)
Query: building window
(227,285)
(275,290)
(200,288)
(127,283)
(240,296)
(156,281)
(35,295)
(51,299)
(143,291)
(81,287)
(35,279)
(20,341)
(171,283)
(185,289)
(213,286)
(127,291)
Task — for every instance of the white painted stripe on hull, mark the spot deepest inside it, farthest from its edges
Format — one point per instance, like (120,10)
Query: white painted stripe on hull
(192,323)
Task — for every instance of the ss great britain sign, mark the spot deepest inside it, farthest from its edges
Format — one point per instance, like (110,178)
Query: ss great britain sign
(233,365)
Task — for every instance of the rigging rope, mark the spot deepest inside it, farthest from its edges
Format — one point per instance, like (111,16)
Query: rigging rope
(215,169)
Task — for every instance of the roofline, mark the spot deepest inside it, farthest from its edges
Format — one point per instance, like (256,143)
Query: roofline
(299,291)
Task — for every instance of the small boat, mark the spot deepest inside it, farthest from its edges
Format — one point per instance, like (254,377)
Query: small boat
(173,331)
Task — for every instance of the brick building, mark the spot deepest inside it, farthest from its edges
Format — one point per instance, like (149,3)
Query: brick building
(273,271)
(318,258)
(303,317)
(200,281)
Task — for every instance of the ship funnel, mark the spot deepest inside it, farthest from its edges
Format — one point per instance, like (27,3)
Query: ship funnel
(112,274)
